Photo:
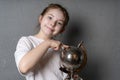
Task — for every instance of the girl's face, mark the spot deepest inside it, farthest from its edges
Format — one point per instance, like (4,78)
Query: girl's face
(52,22)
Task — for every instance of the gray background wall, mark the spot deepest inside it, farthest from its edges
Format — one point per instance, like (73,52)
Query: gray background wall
(96,22)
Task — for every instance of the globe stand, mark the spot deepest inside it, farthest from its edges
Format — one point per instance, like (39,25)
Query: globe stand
(71,74)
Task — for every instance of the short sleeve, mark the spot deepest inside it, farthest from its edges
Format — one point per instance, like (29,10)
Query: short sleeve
(23,46)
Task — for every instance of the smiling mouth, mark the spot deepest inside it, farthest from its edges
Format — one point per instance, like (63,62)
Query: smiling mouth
(50,28)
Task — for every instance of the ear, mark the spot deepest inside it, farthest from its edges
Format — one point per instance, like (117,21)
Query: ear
(40,18)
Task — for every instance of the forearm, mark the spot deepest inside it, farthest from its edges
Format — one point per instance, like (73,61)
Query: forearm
(33,57)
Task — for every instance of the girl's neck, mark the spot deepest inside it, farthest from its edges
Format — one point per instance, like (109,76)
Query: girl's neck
(42,36)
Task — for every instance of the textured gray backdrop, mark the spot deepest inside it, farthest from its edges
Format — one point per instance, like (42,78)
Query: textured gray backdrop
(96,22)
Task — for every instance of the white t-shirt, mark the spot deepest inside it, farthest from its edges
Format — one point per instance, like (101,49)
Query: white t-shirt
(48,69)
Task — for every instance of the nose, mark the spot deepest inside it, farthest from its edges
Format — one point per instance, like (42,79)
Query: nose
(53,23)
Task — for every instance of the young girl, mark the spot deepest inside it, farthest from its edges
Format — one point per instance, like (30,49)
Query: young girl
(37,56)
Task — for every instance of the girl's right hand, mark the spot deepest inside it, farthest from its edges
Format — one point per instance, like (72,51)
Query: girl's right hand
(56,45)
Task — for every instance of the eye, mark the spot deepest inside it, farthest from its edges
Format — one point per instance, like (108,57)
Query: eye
(60,23)
(49,17)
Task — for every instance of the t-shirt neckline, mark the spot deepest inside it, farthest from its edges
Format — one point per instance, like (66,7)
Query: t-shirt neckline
(37,38)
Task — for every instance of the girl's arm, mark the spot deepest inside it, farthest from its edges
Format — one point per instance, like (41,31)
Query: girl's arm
(33,57)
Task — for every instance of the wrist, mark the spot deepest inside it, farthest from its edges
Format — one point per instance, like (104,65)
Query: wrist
(48,42)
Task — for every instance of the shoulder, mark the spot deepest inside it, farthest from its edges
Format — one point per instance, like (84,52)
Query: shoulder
(24,41)
(24,38)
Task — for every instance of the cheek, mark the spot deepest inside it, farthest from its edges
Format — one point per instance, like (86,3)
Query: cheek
(59,29)
(44,21)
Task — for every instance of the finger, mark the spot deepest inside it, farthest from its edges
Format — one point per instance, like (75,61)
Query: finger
(64,47)
(58,46)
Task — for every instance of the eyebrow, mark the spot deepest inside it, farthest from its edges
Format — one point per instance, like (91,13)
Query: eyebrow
(51,15)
